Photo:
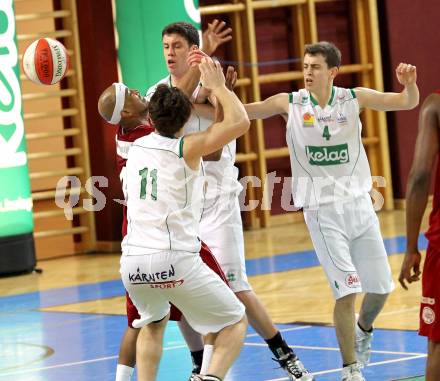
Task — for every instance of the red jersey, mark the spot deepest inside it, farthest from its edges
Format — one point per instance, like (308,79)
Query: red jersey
(433,233)
(123,144)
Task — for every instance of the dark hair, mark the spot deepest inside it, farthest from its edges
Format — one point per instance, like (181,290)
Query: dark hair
(169,109)
(328,50)
(186,30)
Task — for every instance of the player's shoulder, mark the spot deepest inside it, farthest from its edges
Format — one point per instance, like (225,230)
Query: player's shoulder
(431,105)
(152,89)
(299,98)
(342,95)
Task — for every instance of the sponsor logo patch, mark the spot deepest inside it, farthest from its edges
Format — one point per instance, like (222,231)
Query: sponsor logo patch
(341,118)
(308,120)
(328,155)
(428,315)
(159,279)
(352,280)
(426,300)
(231,276)
(325,119)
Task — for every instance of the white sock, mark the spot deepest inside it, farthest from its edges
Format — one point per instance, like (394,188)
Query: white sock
(123,372)
(207,354)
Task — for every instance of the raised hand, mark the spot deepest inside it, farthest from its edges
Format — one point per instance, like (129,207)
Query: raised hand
(214,36)
(212,76)
(406,74)
(231,78)
(411,263)
(195,57)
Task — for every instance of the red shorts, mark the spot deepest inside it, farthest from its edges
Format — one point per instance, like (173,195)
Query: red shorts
(175,314)
(430,305)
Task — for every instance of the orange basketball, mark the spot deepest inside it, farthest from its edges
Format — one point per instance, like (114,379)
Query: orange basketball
(45,61)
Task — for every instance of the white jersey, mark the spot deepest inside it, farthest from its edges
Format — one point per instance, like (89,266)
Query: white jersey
(221,175)
(328,160)
(164,198)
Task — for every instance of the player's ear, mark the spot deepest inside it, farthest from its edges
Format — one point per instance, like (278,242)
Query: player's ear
(334,71)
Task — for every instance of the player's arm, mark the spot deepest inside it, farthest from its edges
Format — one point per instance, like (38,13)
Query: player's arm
(407,99)
(234,123)
(218,117)
(190,80)
(275,105)
(417,191)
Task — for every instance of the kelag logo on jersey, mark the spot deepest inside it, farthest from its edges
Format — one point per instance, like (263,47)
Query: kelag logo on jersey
(308,120)
(328,155)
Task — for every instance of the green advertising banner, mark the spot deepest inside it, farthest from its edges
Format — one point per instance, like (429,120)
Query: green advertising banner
(139,24)
(15,191)
(16,223)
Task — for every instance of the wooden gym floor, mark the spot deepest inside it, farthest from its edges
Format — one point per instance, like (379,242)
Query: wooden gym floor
(66,323)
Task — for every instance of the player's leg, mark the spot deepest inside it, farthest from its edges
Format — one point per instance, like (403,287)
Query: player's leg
(195,343)
(430,311)
(433,361)
(152,307)
(210,307)
(222,227)
(227,347)
(327,229)
(127,349)
(344,319)
(149,349)
(371,261)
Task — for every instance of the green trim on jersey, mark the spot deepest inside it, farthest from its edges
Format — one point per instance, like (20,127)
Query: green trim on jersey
(330,101)
(181,148)
(290,98)
(353,93)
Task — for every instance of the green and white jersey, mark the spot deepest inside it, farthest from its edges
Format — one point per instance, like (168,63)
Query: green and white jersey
(221,175)
(328,160)
(164,198)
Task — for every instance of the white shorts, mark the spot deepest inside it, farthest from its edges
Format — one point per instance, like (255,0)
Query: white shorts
(154,280)
(349,246)
(221,229)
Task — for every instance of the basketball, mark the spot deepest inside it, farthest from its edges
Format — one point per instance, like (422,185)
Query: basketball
(45,61)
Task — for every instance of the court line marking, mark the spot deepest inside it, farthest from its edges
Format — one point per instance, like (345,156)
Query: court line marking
(32,370)
(372,364)
(283,330)
(411,354)
(337,349)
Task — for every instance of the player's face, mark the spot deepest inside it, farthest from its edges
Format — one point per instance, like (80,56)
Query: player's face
(175,51)
(135,104)
(317,74)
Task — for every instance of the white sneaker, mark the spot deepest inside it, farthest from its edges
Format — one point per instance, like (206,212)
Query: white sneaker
(295,368)
(363,345)
(352,373)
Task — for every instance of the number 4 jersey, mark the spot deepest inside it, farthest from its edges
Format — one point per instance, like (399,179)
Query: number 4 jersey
(328,160)
(164,198)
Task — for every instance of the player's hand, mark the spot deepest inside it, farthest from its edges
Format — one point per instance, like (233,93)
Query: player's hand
(410,270)
(212,76)
(214,36)
(195,57)
(406,74)
(231,78)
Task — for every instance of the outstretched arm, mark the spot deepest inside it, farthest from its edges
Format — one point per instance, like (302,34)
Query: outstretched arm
(234,123)
(405,100)
(275,105)
(427,147)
